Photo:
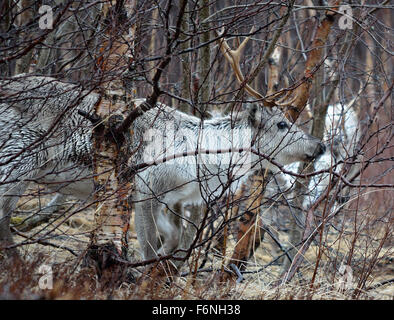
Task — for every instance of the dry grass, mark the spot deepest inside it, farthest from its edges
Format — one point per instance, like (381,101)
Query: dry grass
(72,280)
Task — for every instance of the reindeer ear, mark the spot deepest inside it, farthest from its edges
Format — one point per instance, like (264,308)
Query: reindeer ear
(252,110)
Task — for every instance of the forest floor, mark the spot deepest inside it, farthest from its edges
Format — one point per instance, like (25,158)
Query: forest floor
(71,281)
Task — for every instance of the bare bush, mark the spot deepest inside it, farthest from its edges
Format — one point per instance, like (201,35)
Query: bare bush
(320,229)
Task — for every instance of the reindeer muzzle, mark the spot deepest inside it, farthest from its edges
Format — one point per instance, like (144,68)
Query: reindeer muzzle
(320,149)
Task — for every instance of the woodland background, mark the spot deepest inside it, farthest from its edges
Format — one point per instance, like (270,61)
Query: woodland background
(168,51)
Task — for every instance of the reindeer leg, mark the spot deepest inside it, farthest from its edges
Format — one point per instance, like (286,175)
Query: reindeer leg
(145,224)
(188,233)
(55,204)
(7,206)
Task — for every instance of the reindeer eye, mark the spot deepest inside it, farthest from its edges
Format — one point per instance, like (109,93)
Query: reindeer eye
(282,125)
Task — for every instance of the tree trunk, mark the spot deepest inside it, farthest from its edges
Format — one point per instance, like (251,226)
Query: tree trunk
(250,232)
(111,152)
(204,62)
(313,62)
(302,94)
(23,63)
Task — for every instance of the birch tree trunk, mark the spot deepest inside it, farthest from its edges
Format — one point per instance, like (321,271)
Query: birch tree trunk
(314,57)
(111,149)
(302,94)
(250,232)
(186,72)
(5,13)
(250,227)
(205,61)
(23,63)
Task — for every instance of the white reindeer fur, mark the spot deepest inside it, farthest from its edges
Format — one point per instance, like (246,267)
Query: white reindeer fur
(341,135)
(42,138)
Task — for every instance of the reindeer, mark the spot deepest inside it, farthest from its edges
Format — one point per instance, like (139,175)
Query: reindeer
(341,135)
(187,181)
(44,139)
(270,132)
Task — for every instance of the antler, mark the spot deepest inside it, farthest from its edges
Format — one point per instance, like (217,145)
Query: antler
(233,57)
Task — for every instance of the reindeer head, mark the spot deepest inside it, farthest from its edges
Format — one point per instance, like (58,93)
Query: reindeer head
(275,135)
(278,138)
